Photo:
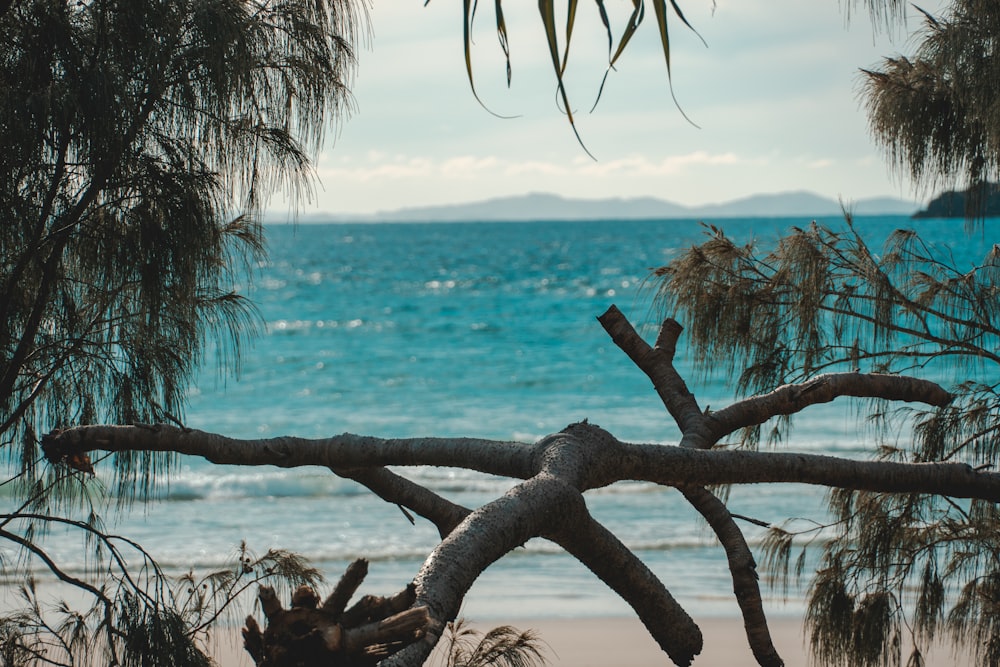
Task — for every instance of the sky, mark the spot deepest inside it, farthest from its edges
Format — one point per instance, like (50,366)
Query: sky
(773,102)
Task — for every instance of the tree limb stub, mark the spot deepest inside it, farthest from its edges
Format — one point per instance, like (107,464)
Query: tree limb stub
(657,363)
(308,635)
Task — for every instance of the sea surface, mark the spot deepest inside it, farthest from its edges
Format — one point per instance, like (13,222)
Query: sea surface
(469,329)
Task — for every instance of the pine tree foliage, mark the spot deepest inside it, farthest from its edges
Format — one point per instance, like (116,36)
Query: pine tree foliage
(502,646)
(822,299)
(138,144)
(143,621)
(937,112)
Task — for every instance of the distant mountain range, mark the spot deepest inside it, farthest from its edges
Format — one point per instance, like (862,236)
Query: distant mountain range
(537,206)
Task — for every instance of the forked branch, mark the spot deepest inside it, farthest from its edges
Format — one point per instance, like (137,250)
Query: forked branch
(556,471)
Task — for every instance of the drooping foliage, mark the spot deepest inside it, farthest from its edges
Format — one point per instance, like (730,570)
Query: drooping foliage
(502,646)
(937,112)
(139,144)
(821,300)
(137,619)
(559,33)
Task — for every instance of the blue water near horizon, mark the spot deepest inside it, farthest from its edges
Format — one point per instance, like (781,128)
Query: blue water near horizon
(469,329)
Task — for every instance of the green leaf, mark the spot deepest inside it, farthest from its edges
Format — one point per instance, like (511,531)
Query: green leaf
(502,36)
(547,10)
(638,12)
(468,16)
(570,21)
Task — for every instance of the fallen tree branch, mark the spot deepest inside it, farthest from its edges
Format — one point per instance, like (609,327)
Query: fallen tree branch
(549,502)
(393,488)
(743,569)
(602,458)
(614,564)
(703,431)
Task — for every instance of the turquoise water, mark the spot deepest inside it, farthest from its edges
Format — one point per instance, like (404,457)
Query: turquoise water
(484,330)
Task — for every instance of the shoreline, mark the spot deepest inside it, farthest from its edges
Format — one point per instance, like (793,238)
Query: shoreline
(624,642)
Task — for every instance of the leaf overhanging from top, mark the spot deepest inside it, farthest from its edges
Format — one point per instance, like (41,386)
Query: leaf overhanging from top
(468,16)
(502,36)
(603,11)
(560,60)
(660,8)
(570,21)
(638,12)
(547,10)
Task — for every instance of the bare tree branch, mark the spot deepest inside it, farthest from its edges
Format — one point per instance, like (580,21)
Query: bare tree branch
(345,451)
(485,536)
(559,468)
(593,459)
(743,569)
(657,363)
(792,398)
(668,623)
(702,431)
(393,488)
(671,466)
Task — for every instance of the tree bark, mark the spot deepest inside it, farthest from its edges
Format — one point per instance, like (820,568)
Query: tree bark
(307,635)
(596,457)
(555,473)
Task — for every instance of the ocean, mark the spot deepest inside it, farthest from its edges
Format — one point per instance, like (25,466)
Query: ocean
(468,329)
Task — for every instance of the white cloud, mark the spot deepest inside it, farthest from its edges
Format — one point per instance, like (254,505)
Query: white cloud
(821,163)
(528,167)
(380,165)
(393,169)
(465,166)
(667,166)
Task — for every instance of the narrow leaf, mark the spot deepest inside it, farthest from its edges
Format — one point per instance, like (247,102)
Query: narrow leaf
(680,15)
(468,12)
(660,7)
(502,36)
(638,12)
(570,21)
(468,16)
(547,10)
(603,11)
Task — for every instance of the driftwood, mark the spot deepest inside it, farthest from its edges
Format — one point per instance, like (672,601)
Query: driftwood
(310,634)
(548,502)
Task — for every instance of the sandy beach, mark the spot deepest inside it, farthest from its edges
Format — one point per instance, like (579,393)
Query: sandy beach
(624,642)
